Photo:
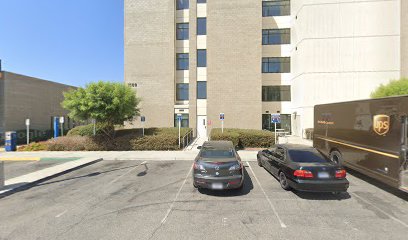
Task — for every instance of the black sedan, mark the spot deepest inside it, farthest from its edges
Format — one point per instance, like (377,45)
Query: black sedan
(303,168)
(218,166)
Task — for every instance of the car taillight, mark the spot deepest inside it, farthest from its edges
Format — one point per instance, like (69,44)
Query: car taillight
(303,174)
(197,166)
(340,173)
(234,167)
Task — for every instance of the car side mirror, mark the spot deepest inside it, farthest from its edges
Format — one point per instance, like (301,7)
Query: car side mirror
(199,147)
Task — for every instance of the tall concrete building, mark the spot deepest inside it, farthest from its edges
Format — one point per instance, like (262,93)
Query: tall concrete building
(23,97)
(251,58)
(201,58)
(342,50)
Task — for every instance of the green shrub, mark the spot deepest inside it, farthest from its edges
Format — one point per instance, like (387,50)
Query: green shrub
(68,143)
(156,142)
(87,130)
(393,88)
(35,146)
(244,138)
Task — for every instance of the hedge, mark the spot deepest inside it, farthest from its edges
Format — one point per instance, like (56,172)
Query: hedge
(87,130)
(244,138)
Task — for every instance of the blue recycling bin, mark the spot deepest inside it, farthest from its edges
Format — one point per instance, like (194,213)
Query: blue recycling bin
(11,141)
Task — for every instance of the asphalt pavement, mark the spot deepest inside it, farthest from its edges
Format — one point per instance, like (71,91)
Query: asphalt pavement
(127,200)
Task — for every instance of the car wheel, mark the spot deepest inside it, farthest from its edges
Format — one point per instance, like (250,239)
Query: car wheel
(195,185)
(259,162)
(336,157)
(283,181)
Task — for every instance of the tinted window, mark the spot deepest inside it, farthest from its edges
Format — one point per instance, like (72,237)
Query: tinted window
(217,153)
(182,31)
(275,8)
(182,61)
(201,90)
(201,1)
(276,65)
(184,120)
(182,91)
(201,26)
(182,4)
(276,93)
(201,58)
(307,156)
(275,36)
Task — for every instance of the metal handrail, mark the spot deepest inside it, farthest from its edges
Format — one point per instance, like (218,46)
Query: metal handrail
(187,138)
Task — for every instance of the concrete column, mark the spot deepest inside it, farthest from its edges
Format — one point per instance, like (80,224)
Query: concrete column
(404,38)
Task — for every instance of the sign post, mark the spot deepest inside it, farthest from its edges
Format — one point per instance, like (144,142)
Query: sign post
(179,117)
(94,126)
(222,117)
(143,120)
(27,122)
(56,127)
(61,120)
(275,118)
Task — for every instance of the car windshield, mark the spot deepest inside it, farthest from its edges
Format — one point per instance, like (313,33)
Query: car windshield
(307,156)
(217,153)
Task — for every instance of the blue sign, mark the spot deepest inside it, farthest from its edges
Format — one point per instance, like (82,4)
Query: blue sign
(179,117)
(56,126)
(275,118)
(222,116)
(143,118)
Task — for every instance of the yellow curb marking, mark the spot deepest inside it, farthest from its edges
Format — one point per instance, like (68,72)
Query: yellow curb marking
(20,159)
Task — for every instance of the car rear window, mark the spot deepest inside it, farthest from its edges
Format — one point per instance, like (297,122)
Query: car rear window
(307,156)
(217,153)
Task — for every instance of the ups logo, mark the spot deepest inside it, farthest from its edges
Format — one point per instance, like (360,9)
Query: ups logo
(381,124)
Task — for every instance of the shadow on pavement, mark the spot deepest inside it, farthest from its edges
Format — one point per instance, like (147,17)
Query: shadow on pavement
(322,195)
(248,186)
(394,191)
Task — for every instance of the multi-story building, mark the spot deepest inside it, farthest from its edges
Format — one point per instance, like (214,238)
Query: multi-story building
(201,58)
(251,58)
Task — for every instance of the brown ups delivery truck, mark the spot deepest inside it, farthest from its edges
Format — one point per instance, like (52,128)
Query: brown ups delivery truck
(369,136)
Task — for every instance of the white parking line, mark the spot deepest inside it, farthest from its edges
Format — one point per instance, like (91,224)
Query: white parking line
(59,215)
(390,216)
(175,199)
(267,198)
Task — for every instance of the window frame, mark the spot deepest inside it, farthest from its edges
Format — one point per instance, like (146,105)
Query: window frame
(200,62)
(203,93)
(269,36)
(181,6)
(269,8)
(182,96)
(201,32)
(181,31)
(275,65)
(276,93)
(185,122)
(180,60)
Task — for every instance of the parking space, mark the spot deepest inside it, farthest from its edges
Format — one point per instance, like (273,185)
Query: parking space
(126,200)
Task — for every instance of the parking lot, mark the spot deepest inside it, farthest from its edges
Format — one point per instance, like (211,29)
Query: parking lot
(123,200)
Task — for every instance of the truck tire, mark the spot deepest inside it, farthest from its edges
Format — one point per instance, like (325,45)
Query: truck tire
(336,157)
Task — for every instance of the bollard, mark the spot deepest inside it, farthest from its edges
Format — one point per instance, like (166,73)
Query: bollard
(1,174)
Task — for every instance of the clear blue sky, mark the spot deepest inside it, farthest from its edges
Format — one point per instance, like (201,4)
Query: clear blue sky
(68,41)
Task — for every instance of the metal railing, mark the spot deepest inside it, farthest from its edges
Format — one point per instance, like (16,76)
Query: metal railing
(187,139)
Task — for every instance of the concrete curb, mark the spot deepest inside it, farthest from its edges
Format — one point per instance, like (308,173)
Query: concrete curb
(27,181)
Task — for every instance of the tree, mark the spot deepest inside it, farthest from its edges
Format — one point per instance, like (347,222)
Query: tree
(106,102)
(393,88)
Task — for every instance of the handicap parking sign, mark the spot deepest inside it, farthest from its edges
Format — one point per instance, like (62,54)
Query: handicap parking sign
(275,118)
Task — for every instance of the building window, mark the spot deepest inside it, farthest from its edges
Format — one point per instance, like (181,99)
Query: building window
(182,31)
(201,1)
(201,58)
(182,61)
(182,4)
(275,36)
(184,121)
(275,8)
(201,90)
(276,93)
(182,91)
(276,65)
(201,26)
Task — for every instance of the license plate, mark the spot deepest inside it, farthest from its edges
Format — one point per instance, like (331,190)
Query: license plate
(216,186)
(323,175)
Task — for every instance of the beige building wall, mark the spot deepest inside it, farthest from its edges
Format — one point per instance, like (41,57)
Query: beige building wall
(342,51)
(150,58)
(404,38)
(1,103)
(33,98)
(234,56)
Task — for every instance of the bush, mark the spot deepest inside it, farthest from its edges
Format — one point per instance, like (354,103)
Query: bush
(309,133)
(156,142)
(393,88)
(69,143)
(87,130)
(35,146)
(244,138)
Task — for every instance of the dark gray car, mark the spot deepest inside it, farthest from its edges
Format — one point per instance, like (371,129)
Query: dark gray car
(218,166)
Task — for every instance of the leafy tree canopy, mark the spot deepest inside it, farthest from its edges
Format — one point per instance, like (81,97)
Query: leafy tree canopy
(106,102)
(393,88)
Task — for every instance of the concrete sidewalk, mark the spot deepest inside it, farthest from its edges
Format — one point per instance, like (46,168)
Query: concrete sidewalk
(16,183)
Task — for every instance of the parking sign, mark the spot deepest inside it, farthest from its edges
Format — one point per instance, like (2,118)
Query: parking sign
(275,118)
(222,116)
